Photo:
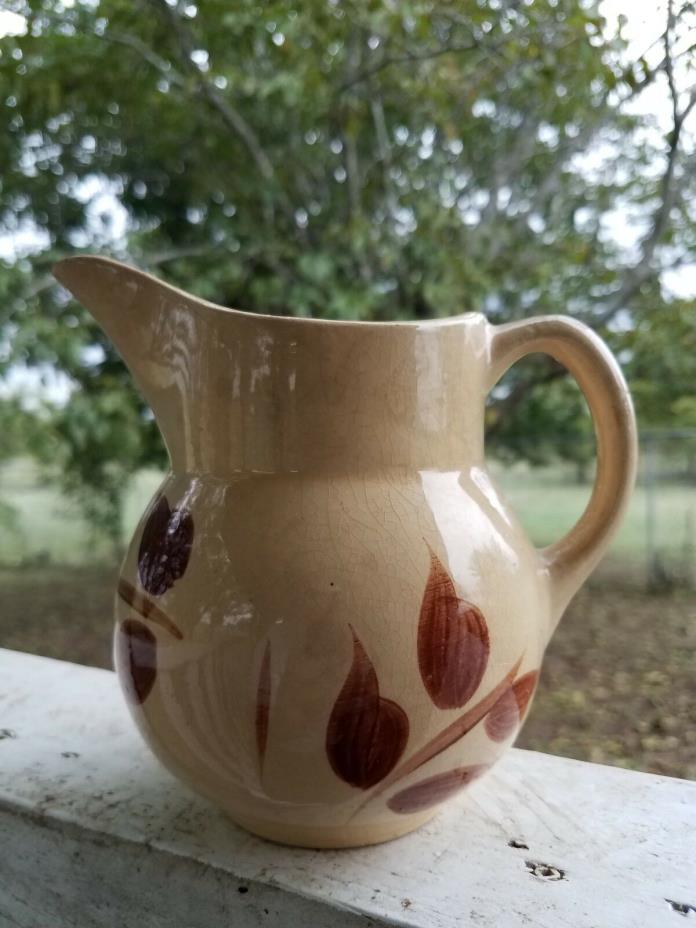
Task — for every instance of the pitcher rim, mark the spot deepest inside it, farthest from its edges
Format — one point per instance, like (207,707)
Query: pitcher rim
(121,266)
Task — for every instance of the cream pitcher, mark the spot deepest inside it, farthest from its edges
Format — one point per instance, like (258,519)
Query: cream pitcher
(328,621)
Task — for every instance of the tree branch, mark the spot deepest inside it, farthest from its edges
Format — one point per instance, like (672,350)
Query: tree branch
(143,49)
(551,371)
(157,258)
(642,269)
(406,58)
(351,156)
(229,114)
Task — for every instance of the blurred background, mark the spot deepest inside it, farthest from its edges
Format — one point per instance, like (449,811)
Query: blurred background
(378,160)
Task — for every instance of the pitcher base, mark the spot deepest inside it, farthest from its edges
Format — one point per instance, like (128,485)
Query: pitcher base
(337,836)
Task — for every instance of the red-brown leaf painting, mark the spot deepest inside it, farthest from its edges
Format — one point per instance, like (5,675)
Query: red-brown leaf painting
(165,547)
(146,607)
(434,790)
(455,731)
(136,659)
(507,714)
(453,644)
(366,734)
(263,703)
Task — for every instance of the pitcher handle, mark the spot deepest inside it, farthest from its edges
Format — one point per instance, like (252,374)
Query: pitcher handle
(569,561)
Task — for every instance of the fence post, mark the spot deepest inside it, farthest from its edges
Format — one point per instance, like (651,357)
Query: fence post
(654,568)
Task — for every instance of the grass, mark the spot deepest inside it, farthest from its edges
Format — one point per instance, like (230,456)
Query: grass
(38,524)
(549,501)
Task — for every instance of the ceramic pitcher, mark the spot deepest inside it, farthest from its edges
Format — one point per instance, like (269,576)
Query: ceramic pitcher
(329,621)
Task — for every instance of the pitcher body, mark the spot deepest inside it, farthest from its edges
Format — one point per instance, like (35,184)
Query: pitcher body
(328,622)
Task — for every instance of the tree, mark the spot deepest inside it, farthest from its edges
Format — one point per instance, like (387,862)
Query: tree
(339,159)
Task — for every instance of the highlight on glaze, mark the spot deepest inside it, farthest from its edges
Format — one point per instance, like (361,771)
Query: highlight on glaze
(367,733)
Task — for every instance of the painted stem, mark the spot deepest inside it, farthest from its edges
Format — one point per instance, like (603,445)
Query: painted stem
(146,608)
(263,704)
(447,737)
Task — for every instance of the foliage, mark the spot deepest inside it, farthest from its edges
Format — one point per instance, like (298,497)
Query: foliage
(552,421)
(17,428)
(338,159)
(662,350)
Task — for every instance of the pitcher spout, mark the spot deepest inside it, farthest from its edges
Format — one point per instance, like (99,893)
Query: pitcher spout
(145,319)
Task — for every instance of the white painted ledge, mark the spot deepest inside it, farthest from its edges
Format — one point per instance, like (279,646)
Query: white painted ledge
(94,833)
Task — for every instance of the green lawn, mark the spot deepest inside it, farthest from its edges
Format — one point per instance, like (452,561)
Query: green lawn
(548,501)
(37,523)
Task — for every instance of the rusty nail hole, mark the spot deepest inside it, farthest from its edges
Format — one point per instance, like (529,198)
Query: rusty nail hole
(544,871)
(513,842)
(683,908)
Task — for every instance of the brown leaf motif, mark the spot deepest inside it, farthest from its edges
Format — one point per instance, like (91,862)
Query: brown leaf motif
(135,656)
(146,607)
(165,547)
(507,714)
(367,733)
(453,643)
(455,731)
(263,703)
(434,790)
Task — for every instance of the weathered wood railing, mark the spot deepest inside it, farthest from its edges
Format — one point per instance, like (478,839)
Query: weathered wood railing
(94,833)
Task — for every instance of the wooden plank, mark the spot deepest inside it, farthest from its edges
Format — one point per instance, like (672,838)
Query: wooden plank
(94,833)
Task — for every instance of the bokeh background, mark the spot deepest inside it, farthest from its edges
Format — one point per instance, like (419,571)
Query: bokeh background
(377,160)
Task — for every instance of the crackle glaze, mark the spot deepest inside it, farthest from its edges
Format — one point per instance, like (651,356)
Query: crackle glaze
(328,621)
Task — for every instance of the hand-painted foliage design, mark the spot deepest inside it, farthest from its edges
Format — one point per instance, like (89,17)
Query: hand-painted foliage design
(263,704)
(136,659)
(368,734)
(453,645)
(430,792)
(147,608)
(506,715)
(165,548)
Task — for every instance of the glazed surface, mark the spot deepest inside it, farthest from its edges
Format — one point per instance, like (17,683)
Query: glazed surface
(330,653)
(328,622)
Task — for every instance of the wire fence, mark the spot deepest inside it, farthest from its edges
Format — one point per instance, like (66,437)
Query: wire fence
(668,479)
(655,548)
